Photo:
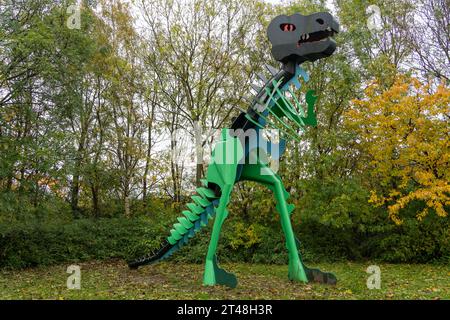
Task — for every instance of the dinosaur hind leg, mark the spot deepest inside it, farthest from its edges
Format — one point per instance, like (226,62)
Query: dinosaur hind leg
(264,175)
(213,274)
(297,271)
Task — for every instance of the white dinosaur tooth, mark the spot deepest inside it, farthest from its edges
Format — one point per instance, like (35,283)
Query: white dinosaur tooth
(328,29)
(307,36)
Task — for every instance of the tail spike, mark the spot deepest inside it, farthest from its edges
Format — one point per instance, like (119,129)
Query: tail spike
(256,88)
(271,69)
(262,77)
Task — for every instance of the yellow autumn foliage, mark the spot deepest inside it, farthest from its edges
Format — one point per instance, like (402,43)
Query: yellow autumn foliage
(245,236)
(402,134)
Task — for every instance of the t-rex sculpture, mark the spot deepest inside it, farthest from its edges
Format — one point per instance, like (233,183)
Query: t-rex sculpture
(243,153)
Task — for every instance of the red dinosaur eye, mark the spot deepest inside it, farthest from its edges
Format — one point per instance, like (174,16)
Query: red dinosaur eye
(287,27)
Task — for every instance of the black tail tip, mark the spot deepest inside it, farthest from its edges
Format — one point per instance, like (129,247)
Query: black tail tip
(133,265)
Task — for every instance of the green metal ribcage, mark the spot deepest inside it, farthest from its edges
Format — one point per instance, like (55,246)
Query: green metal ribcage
(277,105)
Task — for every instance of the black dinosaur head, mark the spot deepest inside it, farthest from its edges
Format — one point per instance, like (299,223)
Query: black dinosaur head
(302,38)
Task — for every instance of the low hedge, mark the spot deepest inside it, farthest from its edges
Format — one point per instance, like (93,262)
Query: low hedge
(43,243)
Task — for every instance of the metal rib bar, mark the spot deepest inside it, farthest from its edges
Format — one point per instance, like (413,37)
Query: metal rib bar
(298,104)
(299,120)
(278,118)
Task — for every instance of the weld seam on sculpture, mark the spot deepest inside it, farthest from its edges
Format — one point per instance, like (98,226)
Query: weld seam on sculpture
(295,39)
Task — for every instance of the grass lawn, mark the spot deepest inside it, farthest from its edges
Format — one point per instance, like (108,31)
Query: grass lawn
(168,280)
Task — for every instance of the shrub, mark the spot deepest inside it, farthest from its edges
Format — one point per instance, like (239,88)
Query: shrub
(33,244)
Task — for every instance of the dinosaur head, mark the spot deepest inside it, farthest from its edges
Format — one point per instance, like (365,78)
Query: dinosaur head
(302,38)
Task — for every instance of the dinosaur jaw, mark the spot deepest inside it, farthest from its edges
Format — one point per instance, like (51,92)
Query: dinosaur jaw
(314,37)
(314,46)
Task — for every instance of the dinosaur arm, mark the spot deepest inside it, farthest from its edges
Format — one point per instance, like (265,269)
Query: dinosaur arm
(311,119)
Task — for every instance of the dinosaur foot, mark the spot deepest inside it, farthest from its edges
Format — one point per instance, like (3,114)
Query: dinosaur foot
(315,275)
(214,275)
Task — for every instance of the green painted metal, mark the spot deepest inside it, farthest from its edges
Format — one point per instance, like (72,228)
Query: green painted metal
(191,216)
(225,158)
(195,208)
(201,201)
(311,99)
(292,131)
(180,229)
(175,235)
(274,183)
(223,173)
(285,110)
(272,108)
(206,193)
(297,103)
(289,110)
(185,222)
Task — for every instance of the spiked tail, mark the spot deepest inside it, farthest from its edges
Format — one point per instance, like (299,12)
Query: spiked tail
(200,211)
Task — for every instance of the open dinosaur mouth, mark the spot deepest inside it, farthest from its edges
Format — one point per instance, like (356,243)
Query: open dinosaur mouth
(323,35)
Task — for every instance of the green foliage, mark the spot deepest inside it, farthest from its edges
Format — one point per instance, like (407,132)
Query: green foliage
(61,240)
(33,244)
(16,207)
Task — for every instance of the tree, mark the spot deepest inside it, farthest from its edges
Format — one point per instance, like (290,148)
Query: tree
(201,50)
(403,136)
(125,96)
(432,43)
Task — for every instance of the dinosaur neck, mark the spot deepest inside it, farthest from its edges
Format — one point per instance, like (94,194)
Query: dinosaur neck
(286,73)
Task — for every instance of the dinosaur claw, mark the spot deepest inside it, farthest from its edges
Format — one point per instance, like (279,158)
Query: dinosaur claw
(315,275)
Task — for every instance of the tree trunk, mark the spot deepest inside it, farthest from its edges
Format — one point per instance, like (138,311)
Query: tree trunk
(95,200)
(173,172)
(127,206)
(74,193)
(149,152)
(198,153)
(199,174)
(75,190)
